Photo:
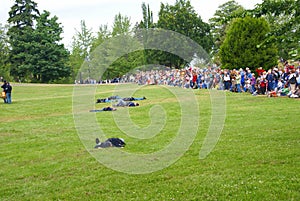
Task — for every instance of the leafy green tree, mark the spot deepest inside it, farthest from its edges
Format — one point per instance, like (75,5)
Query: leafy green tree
(80,49)
(4,51)
(83,40)
(102,35)
(121,25)
(183,19)
(219,22)
(104,48)
(243,45)
(48,56)
(22,16)
(36,54)
(147,22)
(123,45)
(284,19)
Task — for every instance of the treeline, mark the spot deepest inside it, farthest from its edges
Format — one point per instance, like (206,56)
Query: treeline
(31,48)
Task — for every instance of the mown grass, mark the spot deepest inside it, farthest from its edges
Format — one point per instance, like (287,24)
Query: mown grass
(42,158)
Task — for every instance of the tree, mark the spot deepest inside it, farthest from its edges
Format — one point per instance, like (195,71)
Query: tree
(102,35)
(147,22)
(49,57)
(83,40)
(4,51)
(81,47)
(21,17)
(144,25)
(123,45)
(121,25)
(219,22)
(243,45)
(183,19)
(104,48)
(284,19)
(36,54)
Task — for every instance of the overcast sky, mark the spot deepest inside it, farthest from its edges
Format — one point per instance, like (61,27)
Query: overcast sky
(101,12)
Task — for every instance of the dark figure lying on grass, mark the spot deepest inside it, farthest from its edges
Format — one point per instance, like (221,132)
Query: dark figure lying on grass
(122,103)
(104,109)
(103,100)
(133,99)
(115,98)
(108,100)
(110,142)
(126,98)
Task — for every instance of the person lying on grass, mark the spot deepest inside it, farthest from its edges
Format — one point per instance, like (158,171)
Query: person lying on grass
(103,100)
(126,98)
(104,109)
(122,103)
(116,98)
(133,99)
(110,142)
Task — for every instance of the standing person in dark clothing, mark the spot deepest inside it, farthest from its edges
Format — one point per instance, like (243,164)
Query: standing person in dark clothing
(8,93)
(4,87)
(270,81)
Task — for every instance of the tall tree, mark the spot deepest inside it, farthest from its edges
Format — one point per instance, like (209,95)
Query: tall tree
(219,22)
(83,40)
(141,32)
(49,56)
(81,47)
(183,19)
(147,21)
(122,44)
(243,45)
(121,25)
(284,19)
(102,35)
(21,18)
(4,51)
(36,54)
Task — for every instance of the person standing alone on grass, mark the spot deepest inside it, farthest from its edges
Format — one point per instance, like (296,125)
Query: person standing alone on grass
(8,93)
(4,87)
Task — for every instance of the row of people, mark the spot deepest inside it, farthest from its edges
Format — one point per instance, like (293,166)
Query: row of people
(242,80)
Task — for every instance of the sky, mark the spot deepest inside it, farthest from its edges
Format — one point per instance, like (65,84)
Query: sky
(102,12)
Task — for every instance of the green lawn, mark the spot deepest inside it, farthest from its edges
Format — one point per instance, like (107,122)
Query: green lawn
(42,157)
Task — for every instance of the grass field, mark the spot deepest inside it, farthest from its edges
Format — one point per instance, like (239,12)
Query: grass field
(42,158)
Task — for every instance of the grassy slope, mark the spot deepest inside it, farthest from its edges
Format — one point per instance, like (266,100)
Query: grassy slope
(42,158)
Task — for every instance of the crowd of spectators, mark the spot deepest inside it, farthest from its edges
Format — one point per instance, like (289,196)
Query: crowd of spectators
(278,81)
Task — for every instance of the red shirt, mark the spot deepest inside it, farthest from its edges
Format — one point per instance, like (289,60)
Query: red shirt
(194,77)
(260,71)
(263,83)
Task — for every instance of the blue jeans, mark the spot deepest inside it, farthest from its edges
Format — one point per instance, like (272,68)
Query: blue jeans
(227,85)
(8,97)
(238,86)
(270,86)
(253,88)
